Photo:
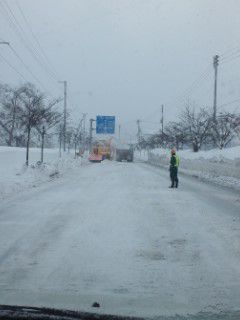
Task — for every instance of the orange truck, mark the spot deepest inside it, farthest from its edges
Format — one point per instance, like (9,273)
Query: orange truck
(101,150)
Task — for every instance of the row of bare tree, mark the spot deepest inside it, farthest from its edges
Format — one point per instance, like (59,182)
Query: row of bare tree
(196,129)
(24,111)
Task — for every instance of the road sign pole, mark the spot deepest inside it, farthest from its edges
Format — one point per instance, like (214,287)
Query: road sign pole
(90,134)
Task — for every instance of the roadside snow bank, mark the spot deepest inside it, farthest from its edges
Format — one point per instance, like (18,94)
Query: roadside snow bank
(141,155)
(219,166)
(15,176)
(232,153)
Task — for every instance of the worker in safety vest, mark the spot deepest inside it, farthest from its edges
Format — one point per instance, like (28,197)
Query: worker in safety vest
(174,164)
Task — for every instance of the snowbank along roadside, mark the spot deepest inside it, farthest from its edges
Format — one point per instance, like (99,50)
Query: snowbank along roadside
(221,167)
(16,177)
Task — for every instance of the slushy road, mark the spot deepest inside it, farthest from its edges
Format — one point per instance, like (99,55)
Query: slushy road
(116,234)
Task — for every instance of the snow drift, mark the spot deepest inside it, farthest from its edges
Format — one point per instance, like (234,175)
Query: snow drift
(15,176)
(218,166)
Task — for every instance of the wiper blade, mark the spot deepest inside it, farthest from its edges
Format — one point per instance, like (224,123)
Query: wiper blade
(8,312)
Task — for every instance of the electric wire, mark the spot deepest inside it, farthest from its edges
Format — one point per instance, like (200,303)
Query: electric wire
(230,59)
(27,67)
(19,31)
(229,103)
(17,28)
(53,73)
(11,66)
(36,39)
(195,85)
(30,47)
(19,34)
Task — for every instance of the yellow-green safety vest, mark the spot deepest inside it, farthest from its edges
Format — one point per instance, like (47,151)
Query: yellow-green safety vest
(177,161)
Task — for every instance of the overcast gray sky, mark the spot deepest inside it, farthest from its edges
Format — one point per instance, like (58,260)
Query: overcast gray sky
(125,57)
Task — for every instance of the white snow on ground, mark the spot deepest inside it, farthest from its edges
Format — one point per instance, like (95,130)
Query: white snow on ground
(217,154)
(15,176)
(219,166)
(116,234)
(141,155)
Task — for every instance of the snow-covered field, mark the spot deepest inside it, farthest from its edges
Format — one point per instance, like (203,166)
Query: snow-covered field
(218,166)
(15,176)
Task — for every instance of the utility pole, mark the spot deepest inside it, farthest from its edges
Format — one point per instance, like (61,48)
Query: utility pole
(162,118)
(215,66)
(119,132)
(60,141)
(139,131)
(64,114)
(75,145)
(84,130)
(42,146)
(90,134)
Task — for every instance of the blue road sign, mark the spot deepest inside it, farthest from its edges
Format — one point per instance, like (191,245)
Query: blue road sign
(105,125)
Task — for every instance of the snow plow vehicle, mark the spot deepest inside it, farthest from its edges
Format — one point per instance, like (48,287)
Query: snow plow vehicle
(101,150)
(124,153)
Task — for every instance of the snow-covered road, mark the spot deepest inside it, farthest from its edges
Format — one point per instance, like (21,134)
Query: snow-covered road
(114,233)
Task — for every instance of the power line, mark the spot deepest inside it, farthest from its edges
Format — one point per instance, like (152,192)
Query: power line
(25,43)
(52,73)
(32,50)
(230,59)
(230,56)
(195,85)
(19,31)
(36,39)
(230,52)
(27,67)
(11,66)
(228,103)
(17,28)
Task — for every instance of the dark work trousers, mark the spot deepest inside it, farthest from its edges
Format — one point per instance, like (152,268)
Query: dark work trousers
(174,176)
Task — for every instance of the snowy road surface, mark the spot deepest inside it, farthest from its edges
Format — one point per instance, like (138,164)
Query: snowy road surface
(114,233)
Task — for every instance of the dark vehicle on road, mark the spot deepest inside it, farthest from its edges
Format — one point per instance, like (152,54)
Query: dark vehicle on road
(124,153)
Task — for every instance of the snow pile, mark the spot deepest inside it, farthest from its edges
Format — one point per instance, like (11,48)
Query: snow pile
(15,176)
(141,155)
(213,154)
(218,166)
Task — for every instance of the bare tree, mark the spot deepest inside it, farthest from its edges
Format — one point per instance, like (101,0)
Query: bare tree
(10,114)
(196,125)
(176,134)
(70,135)
(36,112)
(224,129)
(237,125)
